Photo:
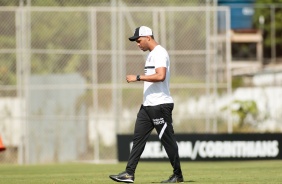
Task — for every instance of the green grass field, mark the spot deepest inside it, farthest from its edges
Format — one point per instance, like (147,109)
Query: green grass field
(264,172)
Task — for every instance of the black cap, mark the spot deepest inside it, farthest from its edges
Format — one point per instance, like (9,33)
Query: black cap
(141,31)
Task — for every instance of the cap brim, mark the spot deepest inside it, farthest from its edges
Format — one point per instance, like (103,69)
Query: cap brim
(133,38)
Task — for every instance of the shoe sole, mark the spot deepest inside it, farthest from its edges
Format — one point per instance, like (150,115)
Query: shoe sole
(173,182)
(119,180)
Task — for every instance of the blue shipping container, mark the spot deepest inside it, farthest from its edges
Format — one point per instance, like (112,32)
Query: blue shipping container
(241,13)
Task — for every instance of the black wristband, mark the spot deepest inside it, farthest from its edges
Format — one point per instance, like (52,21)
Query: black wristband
(138,77)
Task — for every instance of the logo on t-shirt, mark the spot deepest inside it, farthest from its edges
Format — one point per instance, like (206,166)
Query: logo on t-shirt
(149,58)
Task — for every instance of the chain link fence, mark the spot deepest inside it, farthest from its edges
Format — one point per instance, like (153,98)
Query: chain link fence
(63,93)
(106,3)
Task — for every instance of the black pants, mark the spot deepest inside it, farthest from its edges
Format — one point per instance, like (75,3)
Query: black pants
(160,118)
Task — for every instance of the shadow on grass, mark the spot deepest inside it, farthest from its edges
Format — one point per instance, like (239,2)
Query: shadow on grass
(189,181)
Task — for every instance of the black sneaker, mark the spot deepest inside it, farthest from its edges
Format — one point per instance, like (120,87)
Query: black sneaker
(123,177)
(174,179)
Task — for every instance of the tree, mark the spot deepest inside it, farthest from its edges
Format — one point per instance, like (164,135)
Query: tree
(268,24)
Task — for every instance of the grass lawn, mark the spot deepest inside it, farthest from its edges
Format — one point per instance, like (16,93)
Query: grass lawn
(147,172)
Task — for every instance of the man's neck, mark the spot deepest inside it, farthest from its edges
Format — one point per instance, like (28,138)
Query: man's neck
(153,46)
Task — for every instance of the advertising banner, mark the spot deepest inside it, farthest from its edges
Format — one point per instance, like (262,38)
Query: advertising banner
(201,147)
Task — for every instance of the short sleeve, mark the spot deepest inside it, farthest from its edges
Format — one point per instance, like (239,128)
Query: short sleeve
(160,59)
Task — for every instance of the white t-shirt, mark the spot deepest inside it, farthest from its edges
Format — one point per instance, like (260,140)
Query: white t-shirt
(156,93)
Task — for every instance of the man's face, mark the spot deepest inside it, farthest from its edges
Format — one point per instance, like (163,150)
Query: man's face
(142,43)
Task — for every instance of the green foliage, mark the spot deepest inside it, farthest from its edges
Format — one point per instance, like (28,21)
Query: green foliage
(52,2)
(268,24)
(9,2)
(7,70)
(237,82)
(243,109)
(95,2)
(59,31)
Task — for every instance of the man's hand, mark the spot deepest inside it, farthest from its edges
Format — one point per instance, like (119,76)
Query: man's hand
(131,78)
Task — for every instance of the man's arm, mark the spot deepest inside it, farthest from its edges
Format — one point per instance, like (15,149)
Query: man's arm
(159,76)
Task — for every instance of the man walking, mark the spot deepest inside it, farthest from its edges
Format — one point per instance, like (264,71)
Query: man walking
(156,110)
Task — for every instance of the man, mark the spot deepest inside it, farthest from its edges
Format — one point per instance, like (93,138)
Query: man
(156,110)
